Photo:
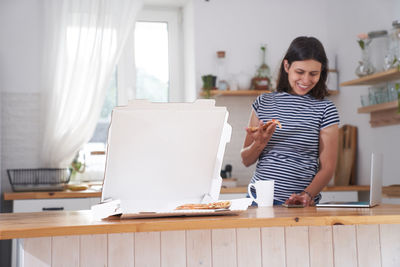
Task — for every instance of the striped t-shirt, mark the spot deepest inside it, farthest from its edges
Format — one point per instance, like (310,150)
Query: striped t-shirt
(291,156)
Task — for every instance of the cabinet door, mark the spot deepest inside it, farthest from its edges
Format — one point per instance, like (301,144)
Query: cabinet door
(36,205)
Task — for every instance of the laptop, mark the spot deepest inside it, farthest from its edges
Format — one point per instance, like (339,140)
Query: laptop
(375,193)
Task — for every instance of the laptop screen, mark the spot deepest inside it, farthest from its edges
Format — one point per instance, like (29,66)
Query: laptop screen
(375,194)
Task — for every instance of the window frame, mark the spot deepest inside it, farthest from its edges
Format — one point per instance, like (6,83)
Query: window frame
(126,65)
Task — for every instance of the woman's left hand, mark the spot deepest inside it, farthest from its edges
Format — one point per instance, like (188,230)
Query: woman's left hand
(300,199)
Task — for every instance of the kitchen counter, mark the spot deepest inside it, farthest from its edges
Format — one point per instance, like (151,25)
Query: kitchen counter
(270,236)
(51,195)
(56,223)
(387,191)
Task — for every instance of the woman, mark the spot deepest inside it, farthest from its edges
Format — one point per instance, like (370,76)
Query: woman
(300,156)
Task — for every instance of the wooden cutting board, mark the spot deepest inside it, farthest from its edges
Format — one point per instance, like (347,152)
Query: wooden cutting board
(345,173)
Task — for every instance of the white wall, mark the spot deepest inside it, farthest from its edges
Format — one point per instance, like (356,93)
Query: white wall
(240,27)
(19,81)
(20,43)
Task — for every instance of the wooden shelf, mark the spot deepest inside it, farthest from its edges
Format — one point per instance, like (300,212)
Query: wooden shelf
(378,107)
(333,92)
(248,92)
(385,113)
(236,92)
(379,77)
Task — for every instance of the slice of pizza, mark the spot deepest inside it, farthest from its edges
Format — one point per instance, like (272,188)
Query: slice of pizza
(212,205)
(277,123)
(253,129)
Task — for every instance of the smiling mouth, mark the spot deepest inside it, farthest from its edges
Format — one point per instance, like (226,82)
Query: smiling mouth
(304,87)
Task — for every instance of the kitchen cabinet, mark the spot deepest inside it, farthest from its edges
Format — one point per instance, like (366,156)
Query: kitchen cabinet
(37,205)
(57,200)
(266,236)
(381,114)
(48,201)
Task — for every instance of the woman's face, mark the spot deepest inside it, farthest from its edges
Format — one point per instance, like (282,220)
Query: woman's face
(303,75)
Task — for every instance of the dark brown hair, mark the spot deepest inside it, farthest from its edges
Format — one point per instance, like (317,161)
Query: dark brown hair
(305,48)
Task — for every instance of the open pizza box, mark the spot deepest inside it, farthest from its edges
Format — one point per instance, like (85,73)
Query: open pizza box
(163,155)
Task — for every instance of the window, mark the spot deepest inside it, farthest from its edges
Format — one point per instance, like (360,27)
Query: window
(156,48)
(110,101)
(158,55)
(158,66)
(151,56)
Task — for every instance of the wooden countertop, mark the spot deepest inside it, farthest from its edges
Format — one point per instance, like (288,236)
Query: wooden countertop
(94,193)
(61,223)
(51,195)
(243,189)
(387,191)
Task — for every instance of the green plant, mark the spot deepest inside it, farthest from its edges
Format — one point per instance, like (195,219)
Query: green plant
(207,93)
(77,166)
(361,43)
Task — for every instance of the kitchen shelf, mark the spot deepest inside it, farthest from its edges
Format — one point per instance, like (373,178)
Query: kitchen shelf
(378,107)
(381,114)
(248,92)
(376,78)
(333,92)
(236,92)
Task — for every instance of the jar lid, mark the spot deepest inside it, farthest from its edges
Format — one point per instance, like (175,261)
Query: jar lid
(220,54)
(396,23)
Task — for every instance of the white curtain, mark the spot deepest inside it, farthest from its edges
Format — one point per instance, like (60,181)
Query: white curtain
(83,40)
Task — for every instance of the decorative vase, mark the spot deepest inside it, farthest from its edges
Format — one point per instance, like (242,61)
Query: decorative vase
(244,80)
(365,66)
(260,83)
(262,79)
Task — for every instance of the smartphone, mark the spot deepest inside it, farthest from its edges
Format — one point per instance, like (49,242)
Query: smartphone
(293,205)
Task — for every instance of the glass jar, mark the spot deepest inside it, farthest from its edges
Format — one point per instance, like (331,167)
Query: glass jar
(262,79)
(365,66)
(222,81)
(392,58)
(263,71)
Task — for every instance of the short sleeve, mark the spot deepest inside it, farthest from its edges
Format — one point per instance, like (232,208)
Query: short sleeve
(257,103)
(330,116)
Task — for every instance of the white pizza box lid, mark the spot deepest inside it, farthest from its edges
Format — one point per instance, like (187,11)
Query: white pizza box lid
(161,155)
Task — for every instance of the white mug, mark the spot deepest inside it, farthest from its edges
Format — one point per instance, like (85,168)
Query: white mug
(264,191)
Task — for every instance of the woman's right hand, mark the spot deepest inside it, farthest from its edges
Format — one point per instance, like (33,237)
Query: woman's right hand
(263,134)
(256,140)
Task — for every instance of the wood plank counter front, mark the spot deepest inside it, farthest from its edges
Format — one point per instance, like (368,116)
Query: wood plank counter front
(56,223)
(270,236)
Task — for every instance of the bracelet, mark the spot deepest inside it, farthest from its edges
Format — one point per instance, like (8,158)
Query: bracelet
(308,193)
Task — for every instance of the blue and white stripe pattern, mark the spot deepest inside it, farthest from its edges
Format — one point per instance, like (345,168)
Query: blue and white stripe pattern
(291,156)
